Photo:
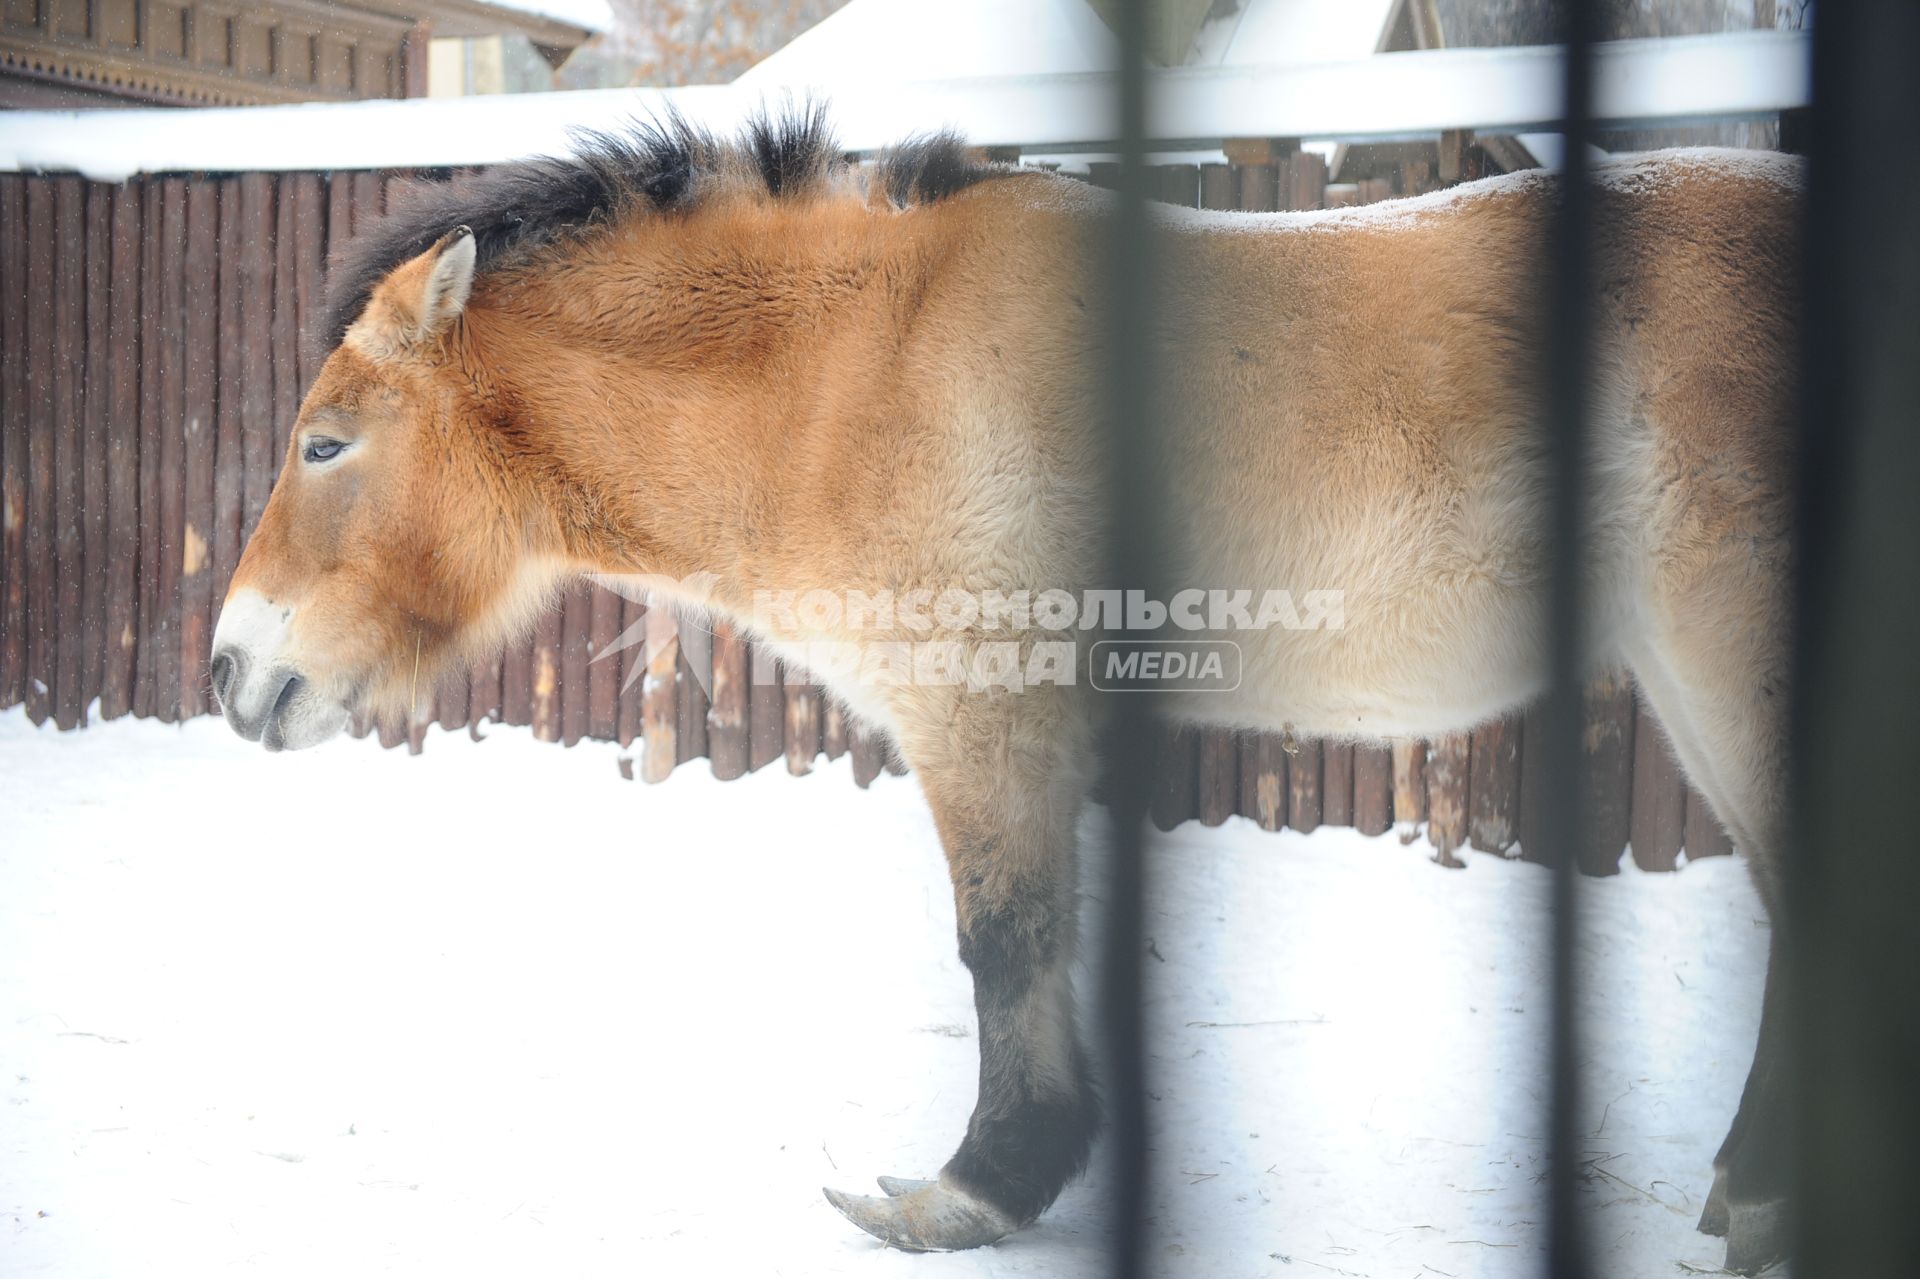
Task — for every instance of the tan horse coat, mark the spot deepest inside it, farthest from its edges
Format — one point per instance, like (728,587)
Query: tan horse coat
(815,388)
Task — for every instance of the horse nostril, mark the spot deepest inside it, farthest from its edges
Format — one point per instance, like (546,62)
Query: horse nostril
(222,677)
(288,692)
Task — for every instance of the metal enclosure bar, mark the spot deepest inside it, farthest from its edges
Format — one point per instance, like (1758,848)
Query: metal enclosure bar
(1132,514)
(1852,879)
(1569,363)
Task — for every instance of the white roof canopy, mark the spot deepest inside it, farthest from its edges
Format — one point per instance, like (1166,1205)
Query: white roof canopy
(897,40)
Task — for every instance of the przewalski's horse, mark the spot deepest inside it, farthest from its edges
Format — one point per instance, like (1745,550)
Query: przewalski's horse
(751,367)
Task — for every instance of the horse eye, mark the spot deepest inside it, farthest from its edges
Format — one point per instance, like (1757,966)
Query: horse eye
(321,449)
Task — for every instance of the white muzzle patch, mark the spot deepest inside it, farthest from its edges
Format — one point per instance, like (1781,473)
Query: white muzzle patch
(263,694)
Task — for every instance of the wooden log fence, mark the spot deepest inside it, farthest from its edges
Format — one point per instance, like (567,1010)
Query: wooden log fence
(156,338)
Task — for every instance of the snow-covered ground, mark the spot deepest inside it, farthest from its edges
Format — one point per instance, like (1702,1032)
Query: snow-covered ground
(496,1011)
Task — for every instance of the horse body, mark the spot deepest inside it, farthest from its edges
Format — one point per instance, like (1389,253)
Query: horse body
(787,383)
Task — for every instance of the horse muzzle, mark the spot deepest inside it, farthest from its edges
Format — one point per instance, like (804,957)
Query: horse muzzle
(263,695)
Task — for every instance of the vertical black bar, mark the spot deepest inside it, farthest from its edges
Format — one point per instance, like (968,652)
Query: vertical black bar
(1852,878)
(1568,361)
(1130,532)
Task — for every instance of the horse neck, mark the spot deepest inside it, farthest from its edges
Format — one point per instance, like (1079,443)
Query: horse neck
(675,386)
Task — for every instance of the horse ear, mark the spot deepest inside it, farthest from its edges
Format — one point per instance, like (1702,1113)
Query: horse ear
(449,281)
(421,298)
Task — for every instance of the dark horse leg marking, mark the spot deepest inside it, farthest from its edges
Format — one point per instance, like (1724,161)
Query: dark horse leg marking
(1012,862)
(1751,1171)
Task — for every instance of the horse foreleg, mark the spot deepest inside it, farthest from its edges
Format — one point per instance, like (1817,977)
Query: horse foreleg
(1007,823)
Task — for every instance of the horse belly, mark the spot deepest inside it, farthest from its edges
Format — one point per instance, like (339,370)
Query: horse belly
(1438,621)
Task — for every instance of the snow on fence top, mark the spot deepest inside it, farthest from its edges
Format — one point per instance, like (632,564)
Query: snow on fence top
(1388,96)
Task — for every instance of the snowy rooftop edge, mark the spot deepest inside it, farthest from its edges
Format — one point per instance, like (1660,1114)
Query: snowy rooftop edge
(595,16)
(1388,96)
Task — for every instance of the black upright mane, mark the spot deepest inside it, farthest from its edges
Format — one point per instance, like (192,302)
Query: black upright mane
(516,208)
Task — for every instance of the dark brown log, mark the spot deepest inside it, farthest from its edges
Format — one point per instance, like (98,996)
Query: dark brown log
(633,671)
(1409,784)
(255,336)
(170,489)
(1609,751)
(1606,779)
(152,357)
(453,698)
(1493,789)
(200,430)
(230,445)
(286,318)
(1263,779)
(1306,180)
(1303,786)
(516,681)
(576,623)
(1336,783)
(13,438)
(1217,188)
(802,735)
(603,674)
(1179,184)
(121,653)
(339,212)
(1176,776)
(1449,772)
(546,675)
(1258,189)
(692,706)
(483,694)
(869,752)
(766,709)
(833,729)
(69,369)
(309,274)
(42,343)
(369,198)
(1705,836)
(1372,789)
(1219,780)
(98,406)
(727,717)
(1658,828)
(660,702)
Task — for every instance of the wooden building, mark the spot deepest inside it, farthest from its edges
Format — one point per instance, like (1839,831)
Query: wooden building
(105,53)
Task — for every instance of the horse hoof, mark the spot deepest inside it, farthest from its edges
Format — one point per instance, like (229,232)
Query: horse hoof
(1713,1218)
(1756,1236)
(897,1186)
(924,1216)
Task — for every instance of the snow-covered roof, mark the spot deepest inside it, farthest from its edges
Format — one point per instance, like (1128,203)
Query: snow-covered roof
(588,15)
(912,39)
(1266,33)
(915,40)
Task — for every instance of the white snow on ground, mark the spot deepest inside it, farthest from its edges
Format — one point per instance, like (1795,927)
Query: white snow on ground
(495,1011)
